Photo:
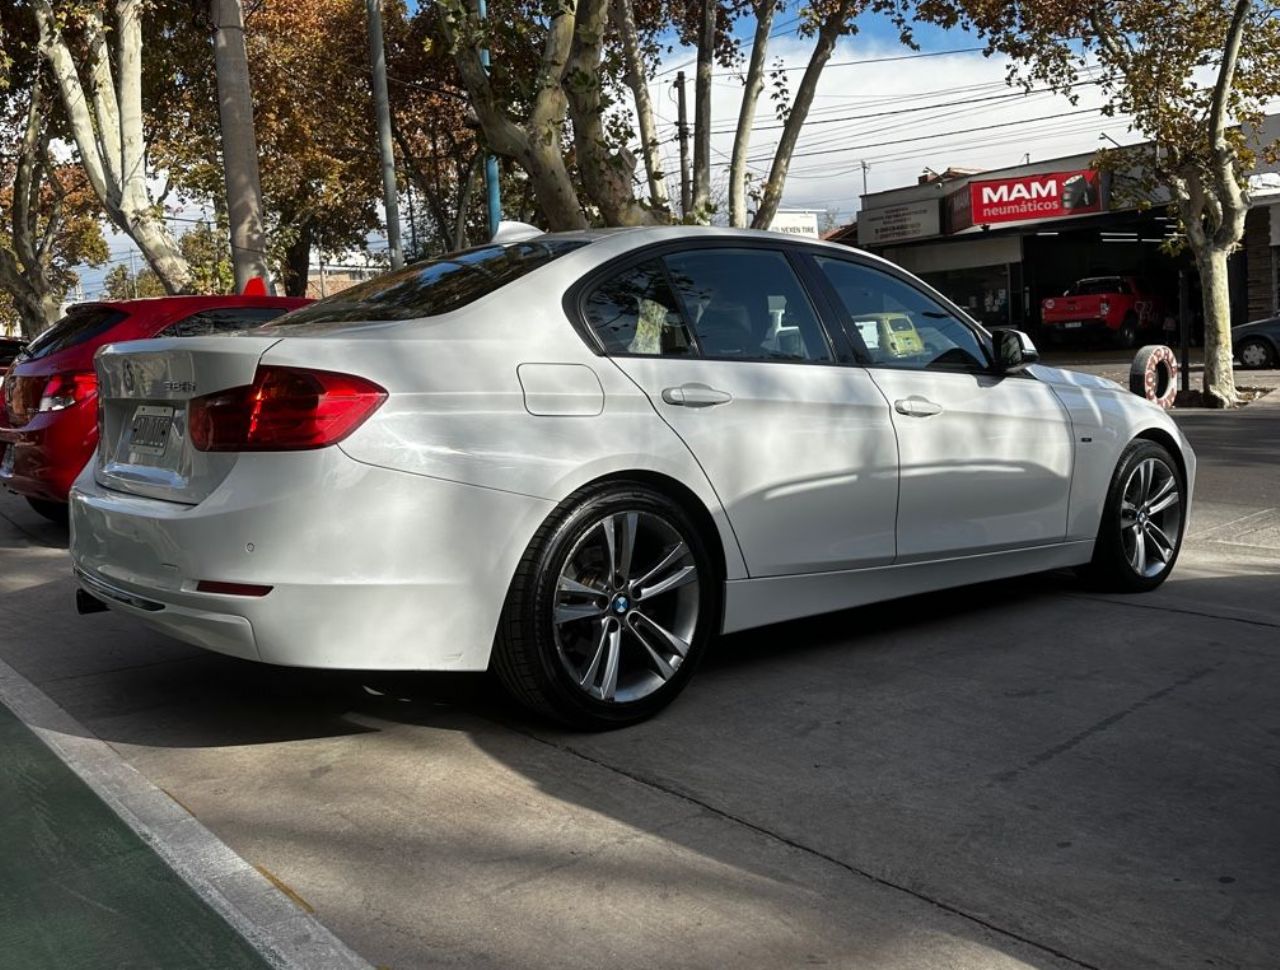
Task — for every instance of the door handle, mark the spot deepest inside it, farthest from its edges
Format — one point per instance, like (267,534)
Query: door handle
(916,407)
(695,396)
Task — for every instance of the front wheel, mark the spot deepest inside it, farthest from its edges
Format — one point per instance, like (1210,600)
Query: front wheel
(1142,522)
(610,609)
(1255,353)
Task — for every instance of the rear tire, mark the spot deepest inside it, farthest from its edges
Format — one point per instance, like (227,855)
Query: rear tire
(1143,521)
(57,512)
(1127,336)
(597,645)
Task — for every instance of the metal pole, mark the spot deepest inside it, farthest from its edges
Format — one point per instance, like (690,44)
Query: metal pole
(1184,327)
(492,186)
(239,146)
(382,106)
(865,169)
(686,203)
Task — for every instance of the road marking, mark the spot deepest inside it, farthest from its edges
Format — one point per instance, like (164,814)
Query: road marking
(259,907)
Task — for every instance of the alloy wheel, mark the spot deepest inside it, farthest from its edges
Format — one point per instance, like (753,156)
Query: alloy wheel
(1150,517)
(626,606)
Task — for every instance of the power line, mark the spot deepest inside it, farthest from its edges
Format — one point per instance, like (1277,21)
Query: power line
(939,134)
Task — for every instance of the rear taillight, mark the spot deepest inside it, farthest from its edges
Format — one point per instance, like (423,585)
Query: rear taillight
(284,409)
(62,391)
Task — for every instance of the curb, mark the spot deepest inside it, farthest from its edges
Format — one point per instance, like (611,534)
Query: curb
(285,936)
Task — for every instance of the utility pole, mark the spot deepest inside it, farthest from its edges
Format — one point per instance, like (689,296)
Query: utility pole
(493,188)
(382,106)
(682,125)
(865,169)
(239,146)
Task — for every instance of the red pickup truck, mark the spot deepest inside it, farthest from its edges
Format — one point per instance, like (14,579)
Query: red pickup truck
(1117,307)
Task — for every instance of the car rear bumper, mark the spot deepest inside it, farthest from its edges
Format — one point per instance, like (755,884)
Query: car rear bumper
(368,568)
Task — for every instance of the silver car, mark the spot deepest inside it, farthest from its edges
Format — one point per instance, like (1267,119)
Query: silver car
(579,457)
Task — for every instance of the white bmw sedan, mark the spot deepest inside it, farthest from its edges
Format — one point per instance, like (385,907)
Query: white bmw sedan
(579,457)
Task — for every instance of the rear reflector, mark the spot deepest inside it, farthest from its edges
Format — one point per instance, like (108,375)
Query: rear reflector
(231,589)
(284,409)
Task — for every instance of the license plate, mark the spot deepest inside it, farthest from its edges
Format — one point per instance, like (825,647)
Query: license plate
(149,434)
(1072,326)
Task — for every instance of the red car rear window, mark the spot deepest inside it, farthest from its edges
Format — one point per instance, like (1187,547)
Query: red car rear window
(76,327)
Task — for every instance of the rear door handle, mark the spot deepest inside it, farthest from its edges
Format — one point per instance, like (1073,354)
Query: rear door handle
(916,407)
(695,396)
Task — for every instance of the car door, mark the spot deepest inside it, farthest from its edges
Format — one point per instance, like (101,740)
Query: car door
(728,347)
(985,458)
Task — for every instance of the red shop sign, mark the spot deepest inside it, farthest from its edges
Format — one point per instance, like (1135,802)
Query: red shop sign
(1049,196)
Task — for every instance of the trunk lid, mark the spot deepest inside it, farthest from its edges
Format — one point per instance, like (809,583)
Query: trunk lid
(144,390)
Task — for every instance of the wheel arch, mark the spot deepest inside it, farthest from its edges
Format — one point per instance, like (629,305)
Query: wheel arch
(688,500)
(1163,438)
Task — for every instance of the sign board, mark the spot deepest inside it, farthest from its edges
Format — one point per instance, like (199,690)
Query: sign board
(796,224)
(897,223)
(1052,195)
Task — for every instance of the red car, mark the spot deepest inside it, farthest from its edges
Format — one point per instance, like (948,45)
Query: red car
(49,426)
(1120,308)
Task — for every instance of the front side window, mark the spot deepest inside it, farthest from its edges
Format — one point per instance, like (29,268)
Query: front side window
(206,323)
(432,287)
(635,312)
(747,304)
(897,324)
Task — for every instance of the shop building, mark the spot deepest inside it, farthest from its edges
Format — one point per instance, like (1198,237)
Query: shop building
(998,242)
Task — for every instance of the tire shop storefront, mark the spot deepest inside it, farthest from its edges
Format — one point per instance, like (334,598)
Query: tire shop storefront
(999,242)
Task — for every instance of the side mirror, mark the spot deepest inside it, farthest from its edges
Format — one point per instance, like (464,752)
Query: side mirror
(1014,351)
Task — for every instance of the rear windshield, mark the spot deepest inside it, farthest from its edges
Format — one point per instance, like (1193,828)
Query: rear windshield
(1098,287)
(432,287)
(208,323)
(77,327)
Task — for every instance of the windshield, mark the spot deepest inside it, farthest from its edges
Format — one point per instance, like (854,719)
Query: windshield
(433,287)
(77,327)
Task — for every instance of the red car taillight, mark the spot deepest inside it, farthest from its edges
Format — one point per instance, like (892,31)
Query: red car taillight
(284,409)
(62,391)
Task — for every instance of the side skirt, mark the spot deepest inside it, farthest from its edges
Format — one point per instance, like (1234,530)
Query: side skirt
(774,599)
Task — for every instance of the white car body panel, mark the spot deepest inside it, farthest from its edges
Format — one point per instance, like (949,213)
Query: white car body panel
(803,457)
(991,470)
(395,549)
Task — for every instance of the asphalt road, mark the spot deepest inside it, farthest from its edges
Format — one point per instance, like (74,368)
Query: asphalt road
(1010,775)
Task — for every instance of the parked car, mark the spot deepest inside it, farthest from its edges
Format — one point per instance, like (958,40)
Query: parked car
(10,348)
(1257,344)
(578,457)
(48,426)
(1119,308)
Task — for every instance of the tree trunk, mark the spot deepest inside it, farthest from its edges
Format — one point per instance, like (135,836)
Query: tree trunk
(747,114)
(464,200)
(828,33)
(297,261)
(239,146)
(625,20)
(107,130)
(1219,378)
(702,114)
(543,160)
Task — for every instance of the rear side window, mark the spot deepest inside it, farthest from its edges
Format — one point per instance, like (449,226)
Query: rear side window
(635,312)
(747,304)
(9,349)
(433,287)
(207,323)
(77,327)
